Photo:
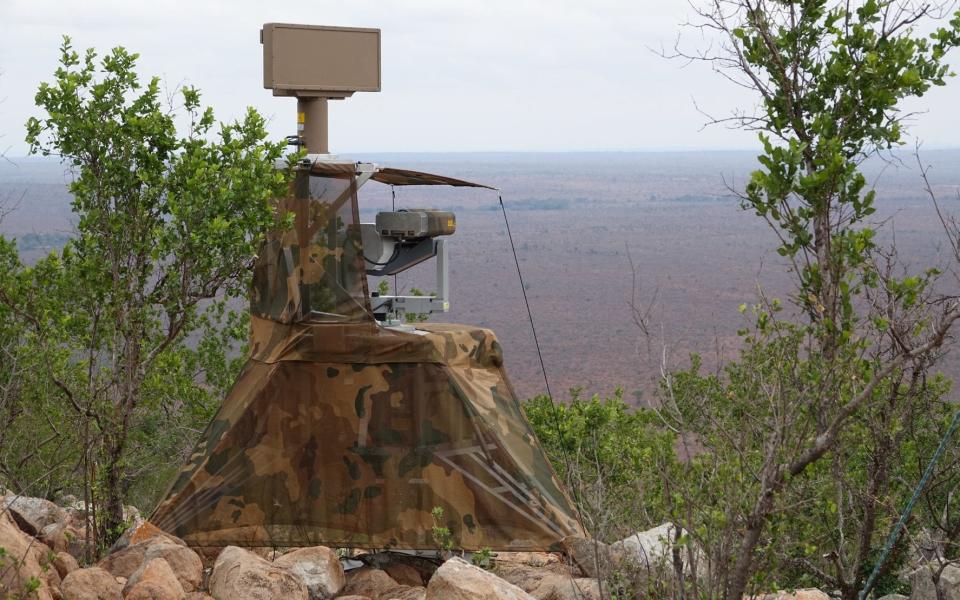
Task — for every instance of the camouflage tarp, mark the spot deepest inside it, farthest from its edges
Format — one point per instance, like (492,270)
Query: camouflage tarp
(345,433)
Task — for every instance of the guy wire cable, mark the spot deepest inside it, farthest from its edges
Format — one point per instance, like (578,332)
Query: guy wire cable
(543,368)
(902,521)
(393,207)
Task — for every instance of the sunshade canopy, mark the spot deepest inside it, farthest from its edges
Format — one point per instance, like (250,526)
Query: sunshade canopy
(389,175)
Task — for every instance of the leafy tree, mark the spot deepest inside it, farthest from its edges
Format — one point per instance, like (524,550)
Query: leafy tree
(829,78)
(167,226)
(614,457)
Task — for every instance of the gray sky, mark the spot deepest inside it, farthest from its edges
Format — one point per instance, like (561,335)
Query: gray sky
(514,75)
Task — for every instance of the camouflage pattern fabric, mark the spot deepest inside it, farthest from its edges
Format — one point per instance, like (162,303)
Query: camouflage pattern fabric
(344,433)
(313,271)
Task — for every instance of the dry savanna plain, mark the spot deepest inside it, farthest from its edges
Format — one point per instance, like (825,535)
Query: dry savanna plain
(597,234)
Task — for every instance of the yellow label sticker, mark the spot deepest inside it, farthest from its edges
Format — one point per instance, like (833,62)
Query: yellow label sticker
(449,222)
(301,117)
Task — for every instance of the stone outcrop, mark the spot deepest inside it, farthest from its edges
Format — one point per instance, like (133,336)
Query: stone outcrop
(23,562)
(653,549)
(242,575)
(370,582)
(594,558)
(33,514)
(318,568)
(405,569)
(457,579)
(801,594)
(65,564)
(46,541)
(553,581)
(91,584)
(925,588)
(154,580)
(182,560)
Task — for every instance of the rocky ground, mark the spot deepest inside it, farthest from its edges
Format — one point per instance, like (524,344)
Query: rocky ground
(41,548)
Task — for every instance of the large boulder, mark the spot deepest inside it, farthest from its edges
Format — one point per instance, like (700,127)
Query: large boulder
(56,536)
(533,559)
(35,513)
(457,579)
(154,580)
(405,592)
(91,584)
(924,588)
(123,562)
(653,549)
(553,581)
(405,569)
(801,594)
(318,568)
(369,581)
(182,560)
(141,531)
(404,574)
(23,562)
(568,588)
(65,563)
(595,559)
(242,575)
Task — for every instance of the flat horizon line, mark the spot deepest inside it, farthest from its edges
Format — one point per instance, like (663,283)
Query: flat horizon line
(527,152)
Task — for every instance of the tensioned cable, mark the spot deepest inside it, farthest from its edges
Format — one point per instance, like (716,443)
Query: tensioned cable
(901,523)
(543,368)
(393,207)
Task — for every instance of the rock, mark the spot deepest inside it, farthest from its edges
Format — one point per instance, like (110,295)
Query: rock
(142,531)
(589,589)
(182,560)
(923,587)
(90,584)
(653,549)
(154,580)
(54,536)
(126,561)
(318,568)
(405,592)
(123,562)
(265,552)
(65,563)
(208,555)
(595,559)
(404,574)
(554,581)
(893,597)
(368,581)
(22,562)
(198,596)
(557,587)
(354,597)
(131,513)
(533,559)
(242,575)
(457,579)
(35,513)
(398,565)
(76,541)
(801,594)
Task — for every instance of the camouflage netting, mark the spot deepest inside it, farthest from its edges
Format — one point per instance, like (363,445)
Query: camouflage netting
(345,433)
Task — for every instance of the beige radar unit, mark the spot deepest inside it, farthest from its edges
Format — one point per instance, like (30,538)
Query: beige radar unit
(316,63)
